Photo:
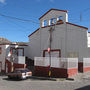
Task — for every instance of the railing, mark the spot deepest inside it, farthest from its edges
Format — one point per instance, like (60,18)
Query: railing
(56,62)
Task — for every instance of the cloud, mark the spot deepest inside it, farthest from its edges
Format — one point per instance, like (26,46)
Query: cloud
(2,1)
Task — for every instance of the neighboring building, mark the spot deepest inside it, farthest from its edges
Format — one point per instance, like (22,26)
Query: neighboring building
(68,40)
(18,52)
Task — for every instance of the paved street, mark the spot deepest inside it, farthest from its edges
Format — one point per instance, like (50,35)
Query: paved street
(34,84)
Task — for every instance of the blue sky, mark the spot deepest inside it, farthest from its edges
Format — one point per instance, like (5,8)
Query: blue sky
(15,30)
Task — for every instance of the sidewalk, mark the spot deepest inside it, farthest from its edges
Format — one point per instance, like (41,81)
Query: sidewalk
(78,77)
(81,76)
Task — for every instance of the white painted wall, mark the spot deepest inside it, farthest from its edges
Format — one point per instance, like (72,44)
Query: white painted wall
(88,39)
(54,14)
(2,56)
(6,53)
(57,62)
(34,46)
(71,40)
(68,38)
(9,46)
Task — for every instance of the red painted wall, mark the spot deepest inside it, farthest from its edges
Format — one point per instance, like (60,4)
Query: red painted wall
(72,71)
(15,66)
(55,72)
(41,71)
(9,65)
(86,69)
(59,72)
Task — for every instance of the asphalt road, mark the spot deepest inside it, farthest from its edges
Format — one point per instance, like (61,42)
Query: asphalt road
(36,84)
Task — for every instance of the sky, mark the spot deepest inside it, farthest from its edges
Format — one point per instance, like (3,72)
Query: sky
(15,30)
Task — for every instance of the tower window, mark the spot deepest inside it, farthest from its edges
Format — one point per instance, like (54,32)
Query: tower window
(52,21)
(45,23)
(60,19)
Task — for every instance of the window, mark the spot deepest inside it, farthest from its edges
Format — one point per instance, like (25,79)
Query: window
(60,19)
(45,23)
(52,21)
(14,51)
(0,50)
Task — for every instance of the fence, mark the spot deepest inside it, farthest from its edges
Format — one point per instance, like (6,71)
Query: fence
(65,63)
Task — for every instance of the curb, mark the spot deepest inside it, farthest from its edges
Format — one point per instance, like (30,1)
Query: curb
(43,78)
(48,78)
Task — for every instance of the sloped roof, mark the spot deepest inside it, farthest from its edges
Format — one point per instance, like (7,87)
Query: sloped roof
(51,10)
(59,24)
(77,25)
(4,41)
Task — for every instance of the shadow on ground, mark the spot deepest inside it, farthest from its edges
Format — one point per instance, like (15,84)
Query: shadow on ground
(11,79)
(42,78)
(84,88)
(30,78)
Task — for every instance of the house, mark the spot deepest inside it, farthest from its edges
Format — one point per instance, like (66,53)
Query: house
(17,50)
(67,40)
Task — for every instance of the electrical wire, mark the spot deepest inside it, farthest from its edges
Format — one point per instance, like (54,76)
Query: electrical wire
(19,19)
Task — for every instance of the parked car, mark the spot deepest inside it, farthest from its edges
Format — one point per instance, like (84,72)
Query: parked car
(20,74)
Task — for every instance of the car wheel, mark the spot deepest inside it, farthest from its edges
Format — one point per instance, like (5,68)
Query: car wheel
(9,77)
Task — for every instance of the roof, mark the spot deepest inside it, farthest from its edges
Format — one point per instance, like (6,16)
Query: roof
(34,32)
(16,43)
(4,40)
(51,10)
(59,24)
(77,25)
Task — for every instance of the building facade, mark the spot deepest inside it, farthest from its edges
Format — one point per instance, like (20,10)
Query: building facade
(67,40)
(18,52)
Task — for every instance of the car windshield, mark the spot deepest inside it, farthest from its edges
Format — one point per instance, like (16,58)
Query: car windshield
(17,71)
(27,70)
(21,71)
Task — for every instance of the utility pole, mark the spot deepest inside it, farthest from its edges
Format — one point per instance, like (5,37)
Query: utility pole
(49,49)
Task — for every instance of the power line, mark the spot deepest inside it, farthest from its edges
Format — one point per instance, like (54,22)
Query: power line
(25,31)
(19,19)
